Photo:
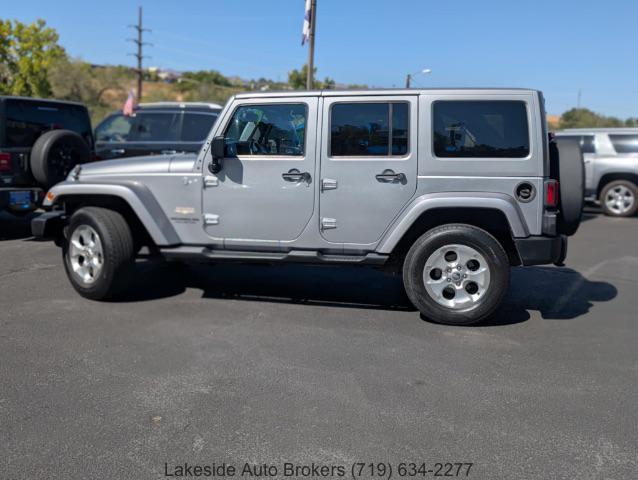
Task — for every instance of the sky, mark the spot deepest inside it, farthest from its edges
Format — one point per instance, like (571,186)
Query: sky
(560,47)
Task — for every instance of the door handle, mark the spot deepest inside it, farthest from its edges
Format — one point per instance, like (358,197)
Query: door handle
(169,152)
(295,175)
(388,176)
(118,151)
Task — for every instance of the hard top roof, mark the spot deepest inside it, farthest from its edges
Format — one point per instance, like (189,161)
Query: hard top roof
(382,91)
(47,100)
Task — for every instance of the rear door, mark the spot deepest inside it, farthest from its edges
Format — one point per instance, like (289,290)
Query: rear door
(368,165)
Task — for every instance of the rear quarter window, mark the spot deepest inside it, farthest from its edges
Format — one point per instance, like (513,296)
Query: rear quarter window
(624,143)
(27,120)
(480,129)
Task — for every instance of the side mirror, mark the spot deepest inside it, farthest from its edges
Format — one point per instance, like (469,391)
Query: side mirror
(217,151)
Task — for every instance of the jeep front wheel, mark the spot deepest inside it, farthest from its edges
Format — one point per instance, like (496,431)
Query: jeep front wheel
(456,274)
(98,252)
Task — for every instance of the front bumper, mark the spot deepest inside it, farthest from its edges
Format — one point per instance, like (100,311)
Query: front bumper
(49,225)
(541,250)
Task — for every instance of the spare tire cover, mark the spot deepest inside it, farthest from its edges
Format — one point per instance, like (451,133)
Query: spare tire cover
(55,153)
(571,175)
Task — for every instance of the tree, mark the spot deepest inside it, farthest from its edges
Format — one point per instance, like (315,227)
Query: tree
(585,118)
(297,79)
(26,54)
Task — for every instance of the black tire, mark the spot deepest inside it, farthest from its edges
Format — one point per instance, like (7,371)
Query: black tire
(55,154)
(608,188)
(456,234)
(571,177)
(117,252)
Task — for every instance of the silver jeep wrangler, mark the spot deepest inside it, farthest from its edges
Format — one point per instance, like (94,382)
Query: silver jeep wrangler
(450,187)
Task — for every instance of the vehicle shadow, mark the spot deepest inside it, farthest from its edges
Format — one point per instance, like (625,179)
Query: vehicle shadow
(16,227)
(557,293)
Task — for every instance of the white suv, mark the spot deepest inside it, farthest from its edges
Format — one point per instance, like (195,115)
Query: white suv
(611,167)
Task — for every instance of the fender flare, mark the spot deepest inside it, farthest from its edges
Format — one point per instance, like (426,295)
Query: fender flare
(137,196)
(495,201)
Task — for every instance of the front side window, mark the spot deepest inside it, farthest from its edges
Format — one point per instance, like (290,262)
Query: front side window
(155,127)
(115,128)
(273,129)
(624,143)
(369,129)
(196,126)
(480,129)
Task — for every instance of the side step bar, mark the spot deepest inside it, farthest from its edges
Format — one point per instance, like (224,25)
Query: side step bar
(298,256)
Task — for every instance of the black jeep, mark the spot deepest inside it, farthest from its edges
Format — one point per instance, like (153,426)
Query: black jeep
(40,142)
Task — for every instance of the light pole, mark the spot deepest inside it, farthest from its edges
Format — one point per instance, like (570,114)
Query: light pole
(409,76)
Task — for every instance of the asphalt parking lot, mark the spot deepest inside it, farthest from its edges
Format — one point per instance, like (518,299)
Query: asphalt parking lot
(329,365)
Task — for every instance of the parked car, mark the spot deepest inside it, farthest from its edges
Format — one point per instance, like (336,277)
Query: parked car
(40,142)
(378,177)
(156,128)
(611,167)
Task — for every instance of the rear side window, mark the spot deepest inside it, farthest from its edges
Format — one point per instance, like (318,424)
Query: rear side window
(196,126)
(155,127)
(26,120)
(480,129)
(624,143)
(369,129)
(115,128)
(587,144)
(265,130)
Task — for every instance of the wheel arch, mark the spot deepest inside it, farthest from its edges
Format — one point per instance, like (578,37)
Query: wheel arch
(136,203)
(498,216)
(612,177)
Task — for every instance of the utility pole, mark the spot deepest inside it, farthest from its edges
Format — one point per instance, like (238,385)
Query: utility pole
(311,49)
(407,80)
(579,96)
(140,44)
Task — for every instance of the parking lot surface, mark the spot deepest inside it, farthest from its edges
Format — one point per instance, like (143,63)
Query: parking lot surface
(259,364)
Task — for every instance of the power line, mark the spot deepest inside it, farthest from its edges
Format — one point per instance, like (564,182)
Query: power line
(139,55)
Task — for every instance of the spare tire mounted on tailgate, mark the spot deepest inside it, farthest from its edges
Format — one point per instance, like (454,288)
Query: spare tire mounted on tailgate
(55,153)
(569,169)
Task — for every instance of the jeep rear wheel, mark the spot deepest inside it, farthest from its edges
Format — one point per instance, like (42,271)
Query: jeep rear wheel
(619,198)
(456,274)
(98,252)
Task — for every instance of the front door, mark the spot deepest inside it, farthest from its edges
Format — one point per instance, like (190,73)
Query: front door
(368,165)
(264,192)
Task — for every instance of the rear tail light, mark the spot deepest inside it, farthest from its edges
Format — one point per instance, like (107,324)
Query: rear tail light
(551,193)
(5,162)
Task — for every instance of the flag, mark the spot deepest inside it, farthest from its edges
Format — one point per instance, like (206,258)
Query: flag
(305,33)
(129,105)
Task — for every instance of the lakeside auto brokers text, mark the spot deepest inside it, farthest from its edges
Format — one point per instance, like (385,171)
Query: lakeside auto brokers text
(355,470)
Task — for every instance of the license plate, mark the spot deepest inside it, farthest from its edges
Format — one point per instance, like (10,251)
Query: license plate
(20,199)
